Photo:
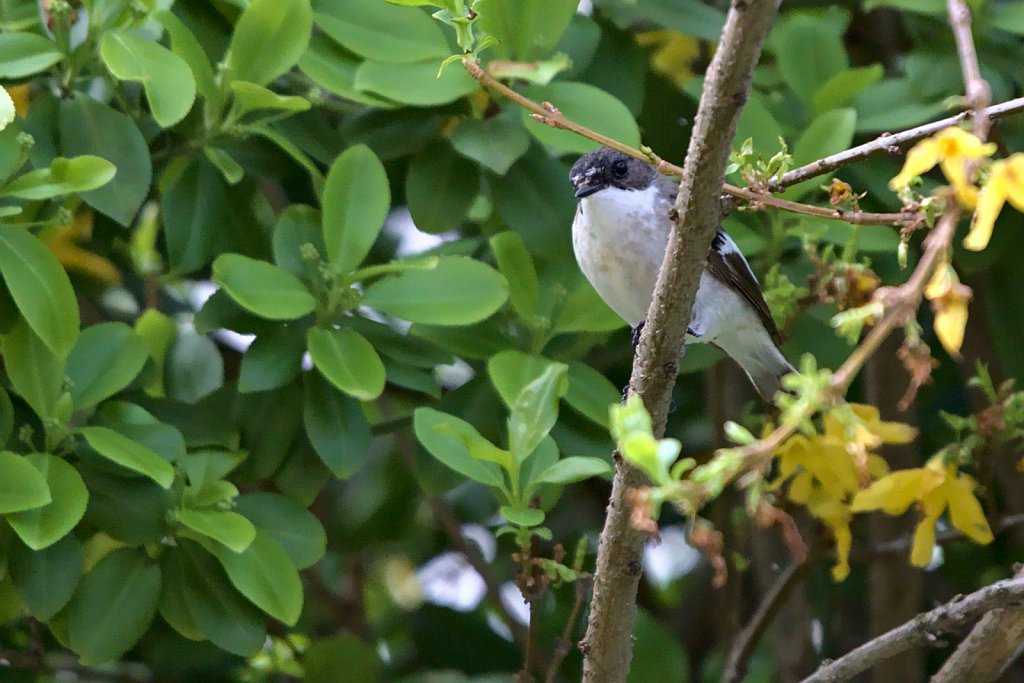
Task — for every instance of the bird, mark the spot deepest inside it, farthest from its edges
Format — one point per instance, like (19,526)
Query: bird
(619,235)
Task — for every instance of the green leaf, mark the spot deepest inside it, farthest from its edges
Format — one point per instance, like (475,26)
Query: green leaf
(174,590)
(296,529)
(416,84)
(532,201)
(222,615)
(194,212)
(810,50)
(526,517)
(459,291)
(527,30)
(158,331)
(139,425)
(113,606)
(336,427)
(356,201)
(225,163)
(510,371)
(249,97)
(195,368)
(296,226)
(166,77)
(440,187)
(516,264)
(348,361)
(496,142)
(268,39)
(106,358)
(130,454)
(378,31)
(588,106)
(22,486)
(440,435)
(185,45)
(334,69)
(591,393)
(265,575)
(689,17)
(133,510)
(43,526)
(91,127)
(570,470)
(934,8)
(263,288)
(347,659)
(1006,16)
(272,360)
(64,176)
(24,54)
(845,86)
(230,528)
(40,288)
(827,134)
(535,410)
(46,579)
(36,374)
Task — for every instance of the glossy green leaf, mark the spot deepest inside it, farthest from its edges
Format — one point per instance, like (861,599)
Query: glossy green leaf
(516,264)
(591,393)
(1007,16)
(91,127)
(438,433)
(846,85)
(133,510)
(810,51)
(510,371)
(113,606)
(296,529)
(496,142)
(440,187)
(174,590)
(106,358)
(138,424)
(24,54)
(64,176)
(334,69)
(265,575)
(526,517)
(249,97)
(827,134)
(415,84)
(41,527)
(585,311)
(194,368)
(527,30)
(46,579)
(336,427)
(348,361)
(347,659)
(459,291)
(934,8)
(570,470)
(535,410)
(130,454)
(689,17)
(158,331)
(224,616)
(166,77)
(36,374)
(194,212)
(225,163)
(263,288)
(587,105)
(356,200)
(382,32)
(268,39)
(230,528)
(185,45)
(297,226)
(22,486)
(272,360)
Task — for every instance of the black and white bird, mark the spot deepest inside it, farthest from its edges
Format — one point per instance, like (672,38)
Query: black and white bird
(619,236)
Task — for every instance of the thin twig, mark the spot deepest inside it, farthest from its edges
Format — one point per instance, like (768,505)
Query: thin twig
(550,115)
(903,543)
(747,639)
(976,89)
(923,629)
(564,644)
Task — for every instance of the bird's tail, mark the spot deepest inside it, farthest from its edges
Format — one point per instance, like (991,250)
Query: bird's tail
(765,365)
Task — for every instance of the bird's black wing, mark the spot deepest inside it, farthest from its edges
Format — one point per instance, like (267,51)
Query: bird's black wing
(726,263)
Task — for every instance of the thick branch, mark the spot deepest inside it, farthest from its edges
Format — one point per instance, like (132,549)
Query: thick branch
(924,629)
(607,647)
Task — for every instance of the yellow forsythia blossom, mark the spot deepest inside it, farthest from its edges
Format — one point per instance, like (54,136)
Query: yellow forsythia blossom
(673,55)
(949,303)
(951,149)
(934,488)
(64,245)
(1005,184)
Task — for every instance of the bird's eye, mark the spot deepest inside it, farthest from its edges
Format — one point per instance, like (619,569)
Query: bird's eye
(620,168)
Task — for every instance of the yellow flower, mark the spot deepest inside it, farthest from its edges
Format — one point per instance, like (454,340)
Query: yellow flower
(950,148)
(1005,183)
(673,55)
(949,299)
(935,488)
(64,245)
(836,516)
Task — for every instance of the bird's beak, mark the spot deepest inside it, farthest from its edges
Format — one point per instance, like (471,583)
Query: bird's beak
(587,190)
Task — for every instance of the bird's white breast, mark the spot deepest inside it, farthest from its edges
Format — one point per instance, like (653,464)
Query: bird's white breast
(619,237)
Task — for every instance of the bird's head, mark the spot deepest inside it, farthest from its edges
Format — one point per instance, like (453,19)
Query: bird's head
(605,167)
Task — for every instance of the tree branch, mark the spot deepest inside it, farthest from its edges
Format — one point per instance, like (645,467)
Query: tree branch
(924,629)
(607,647)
